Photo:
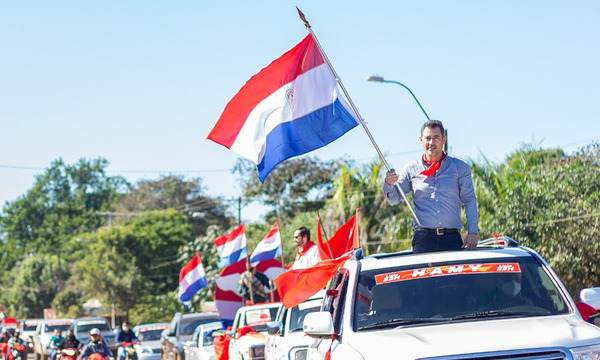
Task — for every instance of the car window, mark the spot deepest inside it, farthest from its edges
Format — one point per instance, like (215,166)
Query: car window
(455,292)
(189,325)
(51,326)
(86,326)
(258,318)
(149,335)
(297,313)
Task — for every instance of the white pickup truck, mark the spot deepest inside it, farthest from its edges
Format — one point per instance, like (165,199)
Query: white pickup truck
(285,338)
(245,344)
(496,302)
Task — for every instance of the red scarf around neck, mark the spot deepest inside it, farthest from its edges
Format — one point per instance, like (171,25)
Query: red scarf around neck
(433,166)
(307,246)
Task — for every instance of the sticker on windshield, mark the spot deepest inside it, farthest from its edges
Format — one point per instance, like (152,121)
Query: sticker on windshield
(446,270)
(258,317)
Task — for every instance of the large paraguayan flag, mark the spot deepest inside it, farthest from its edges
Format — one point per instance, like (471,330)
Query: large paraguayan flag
(191,279)
(289,108)
(231,247)
(269,247)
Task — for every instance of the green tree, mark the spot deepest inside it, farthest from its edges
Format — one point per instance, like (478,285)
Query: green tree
(382,227)
(63,201)
(295,186)
(33,286)
(548,201)
(174,192)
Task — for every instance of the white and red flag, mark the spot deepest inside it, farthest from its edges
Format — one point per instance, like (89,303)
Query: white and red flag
(231,247)
(269,247)
(227,298)
(191,279)
(291,107)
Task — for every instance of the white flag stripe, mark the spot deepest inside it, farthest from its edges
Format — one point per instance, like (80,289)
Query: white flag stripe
(232,246)
(311,91)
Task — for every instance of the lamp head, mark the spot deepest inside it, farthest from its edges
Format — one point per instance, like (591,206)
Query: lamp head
(375,78)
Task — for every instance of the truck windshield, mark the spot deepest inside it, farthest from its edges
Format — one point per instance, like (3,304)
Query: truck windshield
(455,291)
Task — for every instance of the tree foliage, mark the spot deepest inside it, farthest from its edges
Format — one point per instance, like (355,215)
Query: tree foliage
(294,186)
(547,201)
(62,202)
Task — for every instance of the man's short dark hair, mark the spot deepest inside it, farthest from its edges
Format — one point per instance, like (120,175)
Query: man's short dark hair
(304,231)
(432,124)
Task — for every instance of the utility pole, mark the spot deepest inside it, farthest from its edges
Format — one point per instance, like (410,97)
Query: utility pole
(239,210)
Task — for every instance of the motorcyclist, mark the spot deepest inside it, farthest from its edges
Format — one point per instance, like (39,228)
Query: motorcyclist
(4,343)
(53,344)
(16,339)
(95,346)
(125,335)
(69,342)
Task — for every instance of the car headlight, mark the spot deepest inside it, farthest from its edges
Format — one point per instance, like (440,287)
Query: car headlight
(586,353)
(257,351)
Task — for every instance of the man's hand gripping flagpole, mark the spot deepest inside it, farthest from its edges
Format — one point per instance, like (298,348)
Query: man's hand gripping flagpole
(361,120)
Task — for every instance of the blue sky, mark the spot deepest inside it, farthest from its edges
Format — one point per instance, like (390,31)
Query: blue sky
(142,82)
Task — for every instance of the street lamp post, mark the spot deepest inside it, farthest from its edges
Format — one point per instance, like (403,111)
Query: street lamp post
(377,78)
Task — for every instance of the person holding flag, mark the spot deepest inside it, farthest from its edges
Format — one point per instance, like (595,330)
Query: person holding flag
(252,285)
(307,253)
(440,184)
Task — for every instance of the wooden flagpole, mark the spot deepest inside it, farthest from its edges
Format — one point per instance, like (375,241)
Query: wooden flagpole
(362,122)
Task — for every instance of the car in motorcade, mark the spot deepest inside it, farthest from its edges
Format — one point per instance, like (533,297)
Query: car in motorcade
(201,345)
(27,328)
(181,328)
(82,327)
(43,333)
(285,338)
(247,334)
(500,301)
(148,335)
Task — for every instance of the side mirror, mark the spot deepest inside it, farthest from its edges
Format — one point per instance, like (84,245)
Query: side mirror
(318,324)
(230,334)
(274,327)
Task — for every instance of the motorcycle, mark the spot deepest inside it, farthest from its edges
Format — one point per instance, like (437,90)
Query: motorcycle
(68,354)
(130,353)
(96,356)
(18,352)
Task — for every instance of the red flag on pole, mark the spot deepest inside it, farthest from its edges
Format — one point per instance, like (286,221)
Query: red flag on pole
(295,286)
(344,239)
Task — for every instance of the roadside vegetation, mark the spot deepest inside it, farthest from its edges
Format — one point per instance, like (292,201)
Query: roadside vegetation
(79,233)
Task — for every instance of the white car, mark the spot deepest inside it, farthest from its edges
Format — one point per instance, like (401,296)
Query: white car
(43,334)
(285,338)
(496,302)
(245,345)
(201,345)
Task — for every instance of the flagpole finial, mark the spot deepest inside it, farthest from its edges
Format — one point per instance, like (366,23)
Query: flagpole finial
(303,18)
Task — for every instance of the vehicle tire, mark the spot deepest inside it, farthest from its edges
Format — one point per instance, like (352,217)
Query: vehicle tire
(37,356)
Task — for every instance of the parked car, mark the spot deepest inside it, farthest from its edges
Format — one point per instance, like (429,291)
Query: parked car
(82,327)
(201,345)
(149,337)
(496,302)
(43,334)
(181,328)
(27,328)
(285,339)
(257,317)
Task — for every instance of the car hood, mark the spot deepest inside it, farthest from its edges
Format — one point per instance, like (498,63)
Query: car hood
(475,337)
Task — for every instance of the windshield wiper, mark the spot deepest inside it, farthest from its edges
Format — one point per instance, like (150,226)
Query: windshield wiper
(494,313)
(401,321)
